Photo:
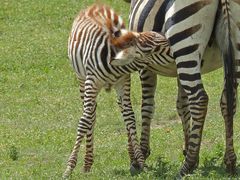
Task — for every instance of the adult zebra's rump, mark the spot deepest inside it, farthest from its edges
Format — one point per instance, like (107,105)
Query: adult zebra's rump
(188,25)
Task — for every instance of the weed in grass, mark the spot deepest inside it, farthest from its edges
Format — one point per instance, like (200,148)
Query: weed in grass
(162,168)
(213,163)
(13,153)
(214,160)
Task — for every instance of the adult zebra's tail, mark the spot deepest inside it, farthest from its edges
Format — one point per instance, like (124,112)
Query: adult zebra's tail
(228,37)
(225,32)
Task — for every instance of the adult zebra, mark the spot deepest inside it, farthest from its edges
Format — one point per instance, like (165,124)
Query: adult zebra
(188,25)
(95,38)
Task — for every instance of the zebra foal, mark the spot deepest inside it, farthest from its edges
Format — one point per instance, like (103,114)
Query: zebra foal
(188,25)
(95,38)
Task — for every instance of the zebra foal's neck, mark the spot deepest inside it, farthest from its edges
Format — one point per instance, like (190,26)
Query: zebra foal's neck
(98,34)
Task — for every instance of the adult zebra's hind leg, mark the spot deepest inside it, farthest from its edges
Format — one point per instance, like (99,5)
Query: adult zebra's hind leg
(149,83)
(124,102)
(185,115)
(230,156)
(85,128)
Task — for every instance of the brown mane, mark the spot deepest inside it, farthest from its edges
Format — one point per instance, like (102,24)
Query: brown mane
(124,40)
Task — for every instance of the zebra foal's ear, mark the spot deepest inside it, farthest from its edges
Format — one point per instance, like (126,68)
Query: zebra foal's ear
(162,42)
(125,40)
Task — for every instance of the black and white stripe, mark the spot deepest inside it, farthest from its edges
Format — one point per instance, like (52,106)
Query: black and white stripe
(94,40)
(189,25)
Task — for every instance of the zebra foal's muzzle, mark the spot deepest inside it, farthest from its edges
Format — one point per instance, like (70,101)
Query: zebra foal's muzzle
(124,57)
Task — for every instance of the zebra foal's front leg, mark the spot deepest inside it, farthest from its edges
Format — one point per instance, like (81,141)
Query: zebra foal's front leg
(124,102)
(149,83)
(85,128)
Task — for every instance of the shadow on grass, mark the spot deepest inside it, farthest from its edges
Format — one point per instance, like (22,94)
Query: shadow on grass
(160,169)
(211,167)
(163,169)
(214,165)
(121,172)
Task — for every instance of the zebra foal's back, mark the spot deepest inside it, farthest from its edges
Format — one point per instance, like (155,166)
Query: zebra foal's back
(89,40)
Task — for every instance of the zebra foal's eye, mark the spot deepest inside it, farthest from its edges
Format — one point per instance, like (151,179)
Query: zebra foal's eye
(117,33)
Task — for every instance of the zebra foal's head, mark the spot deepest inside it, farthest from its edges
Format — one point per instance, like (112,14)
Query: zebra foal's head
(138,46)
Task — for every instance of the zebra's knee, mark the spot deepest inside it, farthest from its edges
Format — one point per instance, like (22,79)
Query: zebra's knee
(84,126)
(199,100)
(148,108)
(203,96)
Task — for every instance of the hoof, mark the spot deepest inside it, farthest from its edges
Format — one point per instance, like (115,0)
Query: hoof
(135,169)
(187,169)
(146,153)
(231,169)
(86,169)
(178,177)
(67,173)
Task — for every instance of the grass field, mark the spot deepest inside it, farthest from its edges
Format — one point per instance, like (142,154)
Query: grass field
(40,105)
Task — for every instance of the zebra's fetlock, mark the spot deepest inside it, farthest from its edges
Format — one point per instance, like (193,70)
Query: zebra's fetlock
(136,168)
(230,163)
(67,172)
(86,169)
(188,167)
(146,153)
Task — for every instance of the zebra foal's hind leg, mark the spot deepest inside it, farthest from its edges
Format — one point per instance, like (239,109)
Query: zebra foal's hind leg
(230,156)
(149,83)
(124,102)
(82,88)
(88,160)
(85,128)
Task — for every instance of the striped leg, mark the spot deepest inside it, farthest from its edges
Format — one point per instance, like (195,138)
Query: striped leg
(230,156)
(124,101)
(149,83)
(82,88)
(188,32)
(85,127)
(185,115)
(130,148)
(88,160)
(198,101)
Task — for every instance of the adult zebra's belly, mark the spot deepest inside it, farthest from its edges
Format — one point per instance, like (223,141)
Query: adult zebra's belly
(210,62)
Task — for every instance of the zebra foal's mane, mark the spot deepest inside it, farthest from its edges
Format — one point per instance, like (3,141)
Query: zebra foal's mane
(123,41)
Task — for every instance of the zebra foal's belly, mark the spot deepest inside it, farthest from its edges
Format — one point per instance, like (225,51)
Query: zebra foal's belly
(210,62)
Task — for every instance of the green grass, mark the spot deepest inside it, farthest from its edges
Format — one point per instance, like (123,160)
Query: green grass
(40,105)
